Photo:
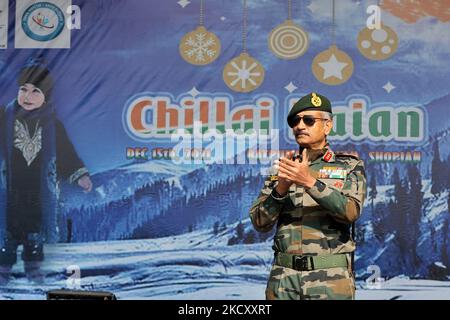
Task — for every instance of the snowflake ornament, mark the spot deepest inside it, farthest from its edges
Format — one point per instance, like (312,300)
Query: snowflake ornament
(200,47)
(243,73)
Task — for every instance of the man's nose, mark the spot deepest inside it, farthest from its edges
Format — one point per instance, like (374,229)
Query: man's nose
(301,125)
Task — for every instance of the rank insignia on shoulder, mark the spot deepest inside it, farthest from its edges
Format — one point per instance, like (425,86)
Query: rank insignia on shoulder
(273,177)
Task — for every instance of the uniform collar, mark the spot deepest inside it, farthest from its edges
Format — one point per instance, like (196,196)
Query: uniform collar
(314,154)
(325,154)
(329,155)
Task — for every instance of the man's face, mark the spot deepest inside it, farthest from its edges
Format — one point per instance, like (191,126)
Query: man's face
(30,97)
(312,135)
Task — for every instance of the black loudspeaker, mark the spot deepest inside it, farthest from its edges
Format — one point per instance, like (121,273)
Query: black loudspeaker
(79,295)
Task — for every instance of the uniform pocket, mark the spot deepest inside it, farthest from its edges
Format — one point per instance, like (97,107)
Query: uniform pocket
(341,285)
(273,283)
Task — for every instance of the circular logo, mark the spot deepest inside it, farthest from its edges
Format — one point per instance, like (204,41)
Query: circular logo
(43,21)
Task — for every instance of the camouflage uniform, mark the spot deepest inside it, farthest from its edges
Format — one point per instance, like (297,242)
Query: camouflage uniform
(313,226)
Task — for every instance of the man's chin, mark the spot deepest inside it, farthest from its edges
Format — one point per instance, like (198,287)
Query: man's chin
(302,141)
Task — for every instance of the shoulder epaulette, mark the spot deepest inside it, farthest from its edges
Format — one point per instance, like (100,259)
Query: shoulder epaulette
(347,154)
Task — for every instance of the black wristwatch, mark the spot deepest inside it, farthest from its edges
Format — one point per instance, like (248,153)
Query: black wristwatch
(274,194)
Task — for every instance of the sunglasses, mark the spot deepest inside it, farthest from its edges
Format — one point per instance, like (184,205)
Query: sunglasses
(309,121)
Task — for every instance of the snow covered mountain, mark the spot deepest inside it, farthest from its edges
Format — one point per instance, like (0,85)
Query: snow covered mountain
(157,199)
(130,200)
(197,265)
(380,245)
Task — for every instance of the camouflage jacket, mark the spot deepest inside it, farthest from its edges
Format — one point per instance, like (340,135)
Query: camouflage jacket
(318,220)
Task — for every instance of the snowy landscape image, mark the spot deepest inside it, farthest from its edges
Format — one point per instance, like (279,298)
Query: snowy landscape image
(152,228)
(152,251)
(206,268)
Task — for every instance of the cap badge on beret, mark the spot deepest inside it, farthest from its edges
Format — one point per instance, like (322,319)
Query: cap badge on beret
(315,100)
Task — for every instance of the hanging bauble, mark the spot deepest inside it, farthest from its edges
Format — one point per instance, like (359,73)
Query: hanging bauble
(332,66)
(243,73)
(200,47)
(288,40)
(377,44)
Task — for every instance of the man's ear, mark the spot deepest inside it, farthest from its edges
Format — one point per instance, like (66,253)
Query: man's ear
(328,127)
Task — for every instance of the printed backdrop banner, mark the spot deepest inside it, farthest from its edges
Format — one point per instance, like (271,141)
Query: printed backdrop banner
(177,120)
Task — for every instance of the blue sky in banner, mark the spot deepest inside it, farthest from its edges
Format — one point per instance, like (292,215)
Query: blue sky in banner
(128,47)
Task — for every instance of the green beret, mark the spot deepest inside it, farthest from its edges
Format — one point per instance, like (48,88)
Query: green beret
(312,101)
